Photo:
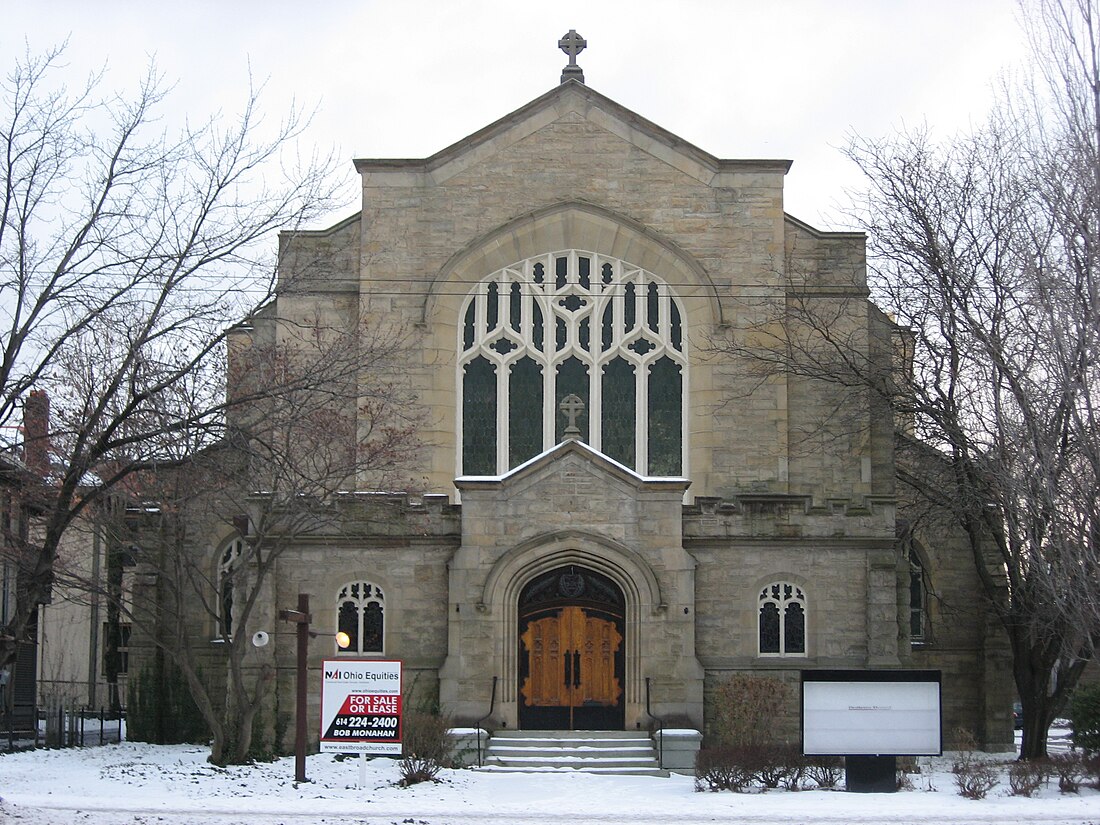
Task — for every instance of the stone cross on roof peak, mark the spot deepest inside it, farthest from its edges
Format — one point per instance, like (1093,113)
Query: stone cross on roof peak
(572,44)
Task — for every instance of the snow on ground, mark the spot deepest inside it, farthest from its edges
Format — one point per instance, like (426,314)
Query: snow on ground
(137,784)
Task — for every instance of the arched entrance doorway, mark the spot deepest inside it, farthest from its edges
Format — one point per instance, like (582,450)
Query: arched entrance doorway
(571,651)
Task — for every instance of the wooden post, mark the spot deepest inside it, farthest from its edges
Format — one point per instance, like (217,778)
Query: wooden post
(300,707)
(301,618)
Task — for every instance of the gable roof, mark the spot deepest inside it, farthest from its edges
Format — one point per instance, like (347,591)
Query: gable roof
(572,96)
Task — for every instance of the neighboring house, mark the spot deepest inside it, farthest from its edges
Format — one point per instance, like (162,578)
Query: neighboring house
(77,651)
(606,493)
(17,684)
(83,637)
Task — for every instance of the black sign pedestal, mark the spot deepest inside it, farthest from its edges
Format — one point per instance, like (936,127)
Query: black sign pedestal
(871,774)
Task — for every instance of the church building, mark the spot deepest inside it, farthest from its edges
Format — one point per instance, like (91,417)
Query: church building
(616,511)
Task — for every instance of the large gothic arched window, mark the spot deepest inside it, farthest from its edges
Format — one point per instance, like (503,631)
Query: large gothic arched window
(572,323)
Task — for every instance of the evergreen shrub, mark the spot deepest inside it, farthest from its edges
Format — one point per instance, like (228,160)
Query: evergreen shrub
(1084,715)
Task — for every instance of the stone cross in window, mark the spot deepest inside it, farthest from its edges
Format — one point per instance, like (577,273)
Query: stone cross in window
(572,44)
(572,405)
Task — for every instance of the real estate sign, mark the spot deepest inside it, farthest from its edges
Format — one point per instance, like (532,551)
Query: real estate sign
(361,706)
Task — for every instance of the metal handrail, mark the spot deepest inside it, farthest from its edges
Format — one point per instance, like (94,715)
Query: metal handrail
(477,724)
(660,728)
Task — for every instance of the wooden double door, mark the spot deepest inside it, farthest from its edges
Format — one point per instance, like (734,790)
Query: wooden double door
(571,657)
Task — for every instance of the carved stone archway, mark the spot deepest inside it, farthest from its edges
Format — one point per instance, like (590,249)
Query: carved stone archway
(627,570)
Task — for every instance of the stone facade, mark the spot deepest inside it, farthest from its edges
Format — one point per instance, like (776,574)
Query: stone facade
(772,488)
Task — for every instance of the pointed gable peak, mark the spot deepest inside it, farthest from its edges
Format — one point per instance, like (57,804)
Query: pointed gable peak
(571,99)
(572,449)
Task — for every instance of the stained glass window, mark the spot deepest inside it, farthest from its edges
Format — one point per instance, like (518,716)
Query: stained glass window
(782,620)
(524,411)
(619,401)
(665,418)
(479,418)
(769,628)
(572,323)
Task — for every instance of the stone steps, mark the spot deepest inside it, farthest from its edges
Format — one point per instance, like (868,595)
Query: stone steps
(599,752)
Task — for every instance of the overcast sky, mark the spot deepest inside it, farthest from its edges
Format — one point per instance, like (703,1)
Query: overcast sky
(405,78)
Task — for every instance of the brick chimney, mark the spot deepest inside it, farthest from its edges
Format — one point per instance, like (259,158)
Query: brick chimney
(36,432)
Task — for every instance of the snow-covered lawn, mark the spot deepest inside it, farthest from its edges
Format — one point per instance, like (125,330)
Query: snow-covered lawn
(134,783)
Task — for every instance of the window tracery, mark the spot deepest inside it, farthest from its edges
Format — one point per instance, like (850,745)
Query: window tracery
(572,323)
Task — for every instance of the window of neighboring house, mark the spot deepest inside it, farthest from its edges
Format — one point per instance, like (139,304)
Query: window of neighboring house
(228,564)
(918,600)
(360,612)
(564,324)
(123,648)
(782,620)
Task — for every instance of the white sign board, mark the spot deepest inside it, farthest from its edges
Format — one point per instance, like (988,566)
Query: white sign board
(871,716)
(361,706)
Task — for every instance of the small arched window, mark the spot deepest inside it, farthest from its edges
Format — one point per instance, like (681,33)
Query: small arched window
(228,564)
(360,612)
(782,623)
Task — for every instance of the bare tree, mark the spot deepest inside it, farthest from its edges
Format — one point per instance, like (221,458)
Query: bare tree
(983,251)
(343,419)
(125,254)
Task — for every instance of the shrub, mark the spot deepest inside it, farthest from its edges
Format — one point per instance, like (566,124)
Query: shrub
(735,767)
(1070,770)
(975,778)
(1027,776)
(161,710)
(825,771)
(748,710)
(1084,715)
(721,769)
(425,746)
(1091,764)
(794,780)
(906,766)
(774,765)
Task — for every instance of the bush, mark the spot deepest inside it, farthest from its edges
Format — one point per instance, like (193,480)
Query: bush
(425,747)
(160,709)
(775,765)
(906,767)
(1070,770)
(794,780)
(1027,776)
(735,767)
(1091,765)
(1084,716)
(825,771)
(721,769)
(975,778)
(748,710)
